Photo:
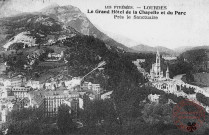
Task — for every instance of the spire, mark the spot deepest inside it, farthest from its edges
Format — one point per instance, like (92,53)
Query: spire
(158,54)
(167,69)
(158,58)
(167,73)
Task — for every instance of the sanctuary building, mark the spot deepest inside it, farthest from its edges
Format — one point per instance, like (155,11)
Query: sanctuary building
(156,72)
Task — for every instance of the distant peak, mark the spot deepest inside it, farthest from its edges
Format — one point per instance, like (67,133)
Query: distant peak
(61,8)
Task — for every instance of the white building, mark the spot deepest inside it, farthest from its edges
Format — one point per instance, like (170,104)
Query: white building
(20,92)
(33,84)
(55,56)
(154,98)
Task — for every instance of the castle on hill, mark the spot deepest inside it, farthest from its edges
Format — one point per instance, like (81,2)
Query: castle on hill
(156,72)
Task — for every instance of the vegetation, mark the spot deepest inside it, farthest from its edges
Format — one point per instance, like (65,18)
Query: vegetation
(188,90)
(24,121)
(64,120)
(29,121)
(127,112)
(180,67)
(202,99)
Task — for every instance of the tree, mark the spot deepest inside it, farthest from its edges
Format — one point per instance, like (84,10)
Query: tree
(64,119)
(189,76)
(23,121)
(188,90)
(202,99)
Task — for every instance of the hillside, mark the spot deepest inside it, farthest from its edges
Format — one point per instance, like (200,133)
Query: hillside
(182,49)
(30,38)
(196,55)
(29,28)
(73,17)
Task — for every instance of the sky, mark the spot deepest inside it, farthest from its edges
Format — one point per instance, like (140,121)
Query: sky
(171,31)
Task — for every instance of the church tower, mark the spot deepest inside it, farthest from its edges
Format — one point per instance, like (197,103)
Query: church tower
(158,71)
(167,73)
(152,73)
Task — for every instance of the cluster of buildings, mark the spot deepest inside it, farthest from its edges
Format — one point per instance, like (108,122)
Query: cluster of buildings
(17,92)
(156,72)
(173,86)
(169,58)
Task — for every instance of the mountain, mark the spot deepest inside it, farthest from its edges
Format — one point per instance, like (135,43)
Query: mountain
(29,38)
(148,49)
(122,39)
(143,48)
(197,54)
(165,50)
(32,29)
(72,16)
(182,49)
(200,47)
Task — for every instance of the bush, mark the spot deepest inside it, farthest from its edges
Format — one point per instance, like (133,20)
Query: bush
(175,98)
(188,90)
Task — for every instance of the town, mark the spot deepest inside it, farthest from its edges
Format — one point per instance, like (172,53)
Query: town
(17,92)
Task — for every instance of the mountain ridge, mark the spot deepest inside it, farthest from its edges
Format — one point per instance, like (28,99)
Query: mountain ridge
(72,16)
(148,49)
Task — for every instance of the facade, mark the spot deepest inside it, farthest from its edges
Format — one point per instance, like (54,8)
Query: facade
(156,72)
(34,84)
(95,89)
(49,101)
(169,58)
(55,99)
(14,82)
(55,56)
(170,86)
(154,98)
(20,92)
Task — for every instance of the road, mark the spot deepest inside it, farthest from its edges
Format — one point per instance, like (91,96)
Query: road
(178,77)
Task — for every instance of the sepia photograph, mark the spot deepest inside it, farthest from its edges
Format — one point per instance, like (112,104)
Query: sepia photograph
(104,67)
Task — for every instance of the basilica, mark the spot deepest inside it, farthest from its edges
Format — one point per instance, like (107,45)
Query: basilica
(156,72)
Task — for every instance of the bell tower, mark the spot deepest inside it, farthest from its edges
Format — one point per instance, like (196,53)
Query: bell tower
(167,73)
